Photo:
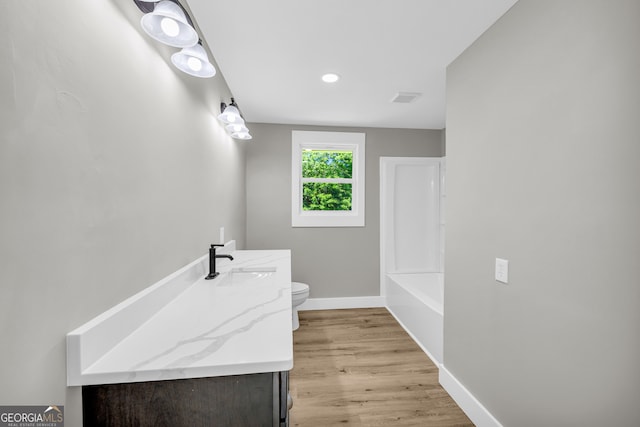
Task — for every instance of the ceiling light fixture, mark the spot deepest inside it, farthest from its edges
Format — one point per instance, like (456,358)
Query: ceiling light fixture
(330,78)
(234,123)
(168,24)
(194,61)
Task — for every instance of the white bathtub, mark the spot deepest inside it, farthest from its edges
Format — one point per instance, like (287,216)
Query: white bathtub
(416,301)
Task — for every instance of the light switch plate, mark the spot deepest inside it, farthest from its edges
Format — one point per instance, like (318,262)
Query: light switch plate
(502,270)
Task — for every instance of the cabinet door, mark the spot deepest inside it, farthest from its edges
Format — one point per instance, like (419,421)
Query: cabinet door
(242,400)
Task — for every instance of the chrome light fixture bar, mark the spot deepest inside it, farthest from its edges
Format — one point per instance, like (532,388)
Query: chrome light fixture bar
(168,22)
(234,122)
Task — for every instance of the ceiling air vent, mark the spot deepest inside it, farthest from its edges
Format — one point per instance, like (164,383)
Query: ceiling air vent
(405,97)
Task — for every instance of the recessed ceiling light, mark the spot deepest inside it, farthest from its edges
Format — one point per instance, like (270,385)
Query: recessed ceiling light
(330,78)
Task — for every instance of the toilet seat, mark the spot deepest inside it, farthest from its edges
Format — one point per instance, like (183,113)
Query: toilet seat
(299,288)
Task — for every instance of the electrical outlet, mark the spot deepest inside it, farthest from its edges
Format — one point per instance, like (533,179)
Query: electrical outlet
(502,270)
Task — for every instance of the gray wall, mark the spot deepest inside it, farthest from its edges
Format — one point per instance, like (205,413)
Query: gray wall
(335,262)
(542,169)
(113,173)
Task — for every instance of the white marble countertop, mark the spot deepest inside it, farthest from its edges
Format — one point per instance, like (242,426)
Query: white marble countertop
(188,327)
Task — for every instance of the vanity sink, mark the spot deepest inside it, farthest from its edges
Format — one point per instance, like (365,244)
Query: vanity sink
(247,276)
(261,269)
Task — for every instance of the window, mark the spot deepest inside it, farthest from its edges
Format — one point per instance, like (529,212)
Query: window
(327,179)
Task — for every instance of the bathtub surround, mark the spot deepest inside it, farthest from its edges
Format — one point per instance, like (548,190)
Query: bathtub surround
(107,183)
(411,249)
(542,170)
(411,190)
(341,265)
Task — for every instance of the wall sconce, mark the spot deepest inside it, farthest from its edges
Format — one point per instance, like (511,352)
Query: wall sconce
(234,123)
(230,113)
(236,127)
(168,22)
(193,60)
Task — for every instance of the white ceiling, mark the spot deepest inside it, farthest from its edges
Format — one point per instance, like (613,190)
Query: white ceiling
(273,53)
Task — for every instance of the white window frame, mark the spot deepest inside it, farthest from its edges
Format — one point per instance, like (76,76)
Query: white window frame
(338,141)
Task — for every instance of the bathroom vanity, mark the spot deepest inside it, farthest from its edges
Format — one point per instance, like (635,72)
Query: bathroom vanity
(190,351)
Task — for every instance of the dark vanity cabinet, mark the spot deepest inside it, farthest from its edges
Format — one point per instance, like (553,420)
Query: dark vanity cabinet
(254,400)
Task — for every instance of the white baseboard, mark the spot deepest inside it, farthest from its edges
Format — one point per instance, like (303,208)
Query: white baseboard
(341,303)
(480,416)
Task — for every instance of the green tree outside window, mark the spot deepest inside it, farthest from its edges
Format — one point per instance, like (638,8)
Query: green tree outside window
(327,180)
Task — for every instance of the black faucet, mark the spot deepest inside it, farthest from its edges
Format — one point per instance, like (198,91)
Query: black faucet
(212,261)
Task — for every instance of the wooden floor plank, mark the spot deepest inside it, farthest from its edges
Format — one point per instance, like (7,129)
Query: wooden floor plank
(359,367)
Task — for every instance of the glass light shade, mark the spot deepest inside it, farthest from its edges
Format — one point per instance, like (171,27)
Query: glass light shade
(241,135)
(230,115)
(236,128)
(194,61)
(169,26)
(161,24)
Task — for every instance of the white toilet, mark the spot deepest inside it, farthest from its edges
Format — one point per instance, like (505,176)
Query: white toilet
(299,294)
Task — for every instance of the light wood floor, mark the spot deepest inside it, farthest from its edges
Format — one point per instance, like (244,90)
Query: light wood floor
(359,367)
